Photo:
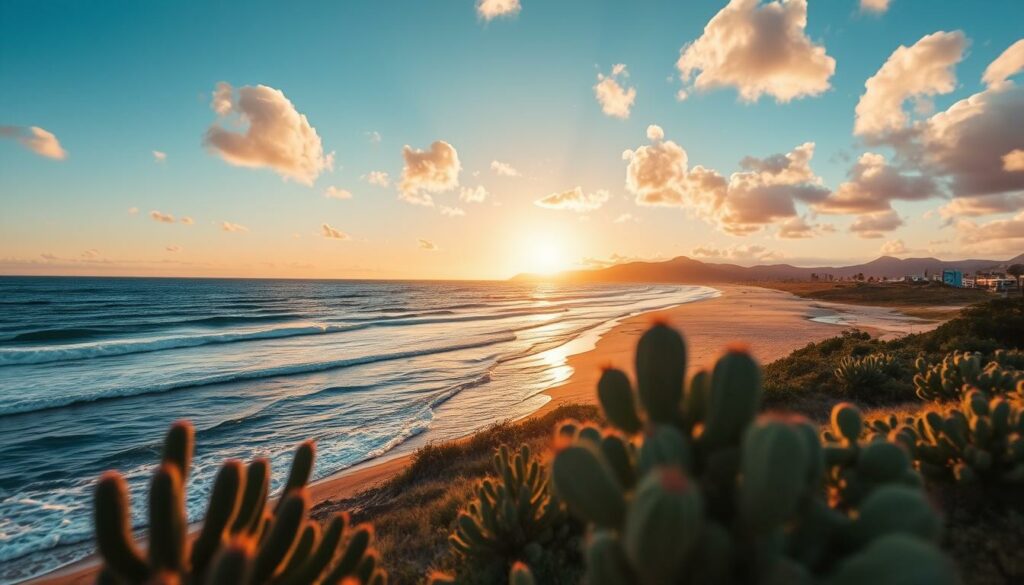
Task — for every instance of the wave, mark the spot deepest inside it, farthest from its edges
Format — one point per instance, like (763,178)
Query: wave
(37,404)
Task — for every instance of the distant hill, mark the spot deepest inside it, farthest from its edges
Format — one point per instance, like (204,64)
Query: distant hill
(688,270)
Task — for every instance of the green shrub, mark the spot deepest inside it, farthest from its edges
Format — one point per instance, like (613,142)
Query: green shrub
(689,485)
(243,541)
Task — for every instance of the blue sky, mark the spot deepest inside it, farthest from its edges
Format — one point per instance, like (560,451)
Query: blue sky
(114,81)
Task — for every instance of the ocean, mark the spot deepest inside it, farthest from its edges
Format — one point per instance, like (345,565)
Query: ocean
(93,370)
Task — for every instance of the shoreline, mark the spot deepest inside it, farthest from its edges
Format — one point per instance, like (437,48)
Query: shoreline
(771,323)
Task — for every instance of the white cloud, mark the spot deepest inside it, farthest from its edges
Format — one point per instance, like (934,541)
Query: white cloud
(333,234)
(332,192)
(875,225)
(187,220)
(504,169)
(161,216)
(452,211)
(615,100)
(875,6)
(426,245)
(1013,161)
(159,156)
(428,171)
(378,178)
(874,184)
(227,226)
(277,137)
(491,9)
(574,200)
(477,194)
(760,49)
(1005,66)
(894,248)
(626,218)
(36,139)
(923,69)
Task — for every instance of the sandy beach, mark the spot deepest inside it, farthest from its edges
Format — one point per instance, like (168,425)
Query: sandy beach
(770,323)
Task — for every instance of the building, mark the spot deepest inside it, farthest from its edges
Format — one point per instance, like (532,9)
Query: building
(996,282)
(953,278)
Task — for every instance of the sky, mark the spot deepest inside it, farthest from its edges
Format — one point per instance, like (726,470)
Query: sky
(476,140)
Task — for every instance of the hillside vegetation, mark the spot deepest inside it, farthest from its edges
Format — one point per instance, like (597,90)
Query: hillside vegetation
(889,294)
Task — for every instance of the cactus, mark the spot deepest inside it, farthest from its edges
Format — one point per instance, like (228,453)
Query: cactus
(691,486)
(241,541)
(947,380)
(512,513)
(864,373)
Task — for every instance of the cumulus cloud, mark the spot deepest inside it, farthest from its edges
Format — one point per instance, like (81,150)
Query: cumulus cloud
(378,178)
(491,9)
(333,234)
(737,253)
(277,137)
(875,225)
(227,226)
(996,236)
(759,49)
(798,228)
(477,194)
(159,156)
(982,205)
(426,245)
(36,139)
(875,6)
(764,192)
(187,220)
(921,70)
(894,248)
(332,192)
(615,99)
(504,169)
(1013,161)
(428,171)
(873,185)
(161,216)
(452,211)
(1005,66)
(574,200)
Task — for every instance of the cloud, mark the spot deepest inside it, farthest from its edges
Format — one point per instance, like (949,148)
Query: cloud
(475,195)
(378,178)
(428,171)
(161,216)
(333,234)
(625,218)
(923,69)
(1013,161)
(737,252)
(332,192)
(615,100)
(427,245)
(452,211)
(874,225)
(982,205)
(133,211)
(374,137)
(616,258)
(759,49)
(875,6)
(1008,232)
(491,9)
(575,200)
(873,185)
(159,156)
(277,137)
(798,228)
(894,248)
(91,253)
(1006,65)
(36,139)
(187,220)
(764,192)
(504,169)
(173,249)
(227,226)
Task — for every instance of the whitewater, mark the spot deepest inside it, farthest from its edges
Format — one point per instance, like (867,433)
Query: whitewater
(93,370)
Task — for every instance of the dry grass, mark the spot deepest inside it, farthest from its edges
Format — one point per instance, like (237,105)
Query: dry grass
(896,294)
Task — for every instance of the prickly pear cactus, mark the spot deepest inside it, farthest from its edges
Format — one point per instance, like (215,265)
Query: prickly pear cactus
(860,458)
(243,539)
(690,485)
(513,517)
(860,373)
(947,380)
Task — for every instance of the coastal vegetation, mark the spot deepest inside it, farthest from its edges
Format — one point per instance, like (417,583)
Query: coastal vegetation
(882,294)
(877,461)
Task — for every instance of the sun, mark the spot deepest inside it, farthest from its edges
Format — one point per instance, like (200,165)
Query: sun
(546,255)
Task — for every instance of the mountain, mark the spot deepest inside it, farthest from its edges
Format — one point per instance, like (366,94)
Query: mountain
(688,270)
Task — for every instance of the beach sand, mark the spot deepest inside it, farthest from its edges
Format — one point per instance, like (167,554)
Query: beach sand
(770,323)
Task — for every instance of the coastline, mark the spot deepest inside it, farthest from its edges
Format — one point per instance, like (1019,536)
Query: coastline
(771,323)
